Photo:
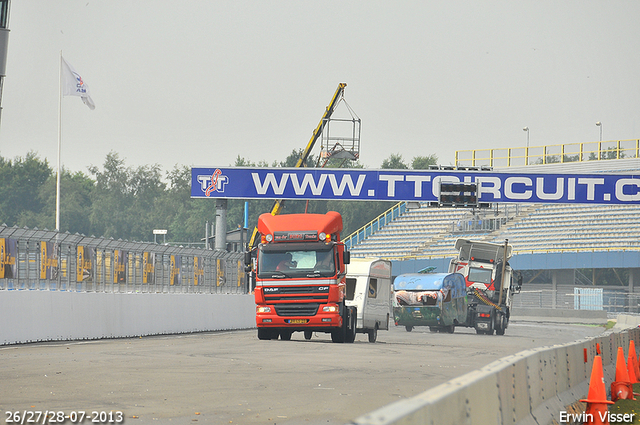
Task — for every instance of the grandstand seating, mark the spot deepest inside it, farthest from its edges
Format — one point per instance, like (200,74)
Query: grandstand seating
(576,227)
(412,229)
(432,232)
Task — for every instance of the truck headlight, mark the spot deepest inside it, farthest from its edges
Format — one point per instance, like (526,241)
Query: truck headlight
(330,308)
(263,309)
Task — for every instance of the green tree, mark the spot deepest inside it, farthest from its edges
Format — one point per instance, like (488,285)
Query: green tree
(22,180)
(552,159)
(177,205)
(423,162)
(75,204)
(570,158)
(294,157)
(608,153)
(124,199)
(186,217)
(128,203)
(394,162)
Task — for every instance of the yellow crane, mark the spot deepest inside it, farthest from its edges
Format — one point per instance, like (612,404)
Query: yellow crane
(277,206)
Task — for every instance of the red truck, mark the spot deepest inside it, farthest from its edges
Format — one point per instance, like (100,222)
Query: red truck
(300,277)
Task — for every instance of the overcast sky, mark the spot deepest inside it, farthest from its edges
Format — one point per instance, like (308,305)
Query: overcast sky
(197,83)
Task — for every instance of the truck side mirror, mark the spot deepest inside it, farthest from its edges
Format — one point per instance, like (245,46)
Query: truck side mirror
(247,258)
(346,257)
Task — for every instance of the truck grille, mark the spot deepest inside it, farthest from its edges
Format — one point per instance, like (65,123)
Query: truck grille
(308,309)
(318,294)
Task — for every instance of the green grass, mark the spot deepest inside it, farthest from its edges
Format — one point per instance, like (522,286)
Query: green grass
(628,406)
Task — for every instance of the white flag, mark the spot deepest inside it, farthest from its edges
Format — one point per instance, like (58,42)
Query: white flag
(74,85)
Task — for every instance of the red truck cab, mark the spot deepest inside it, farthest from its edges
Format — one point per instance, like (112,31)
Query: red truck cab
(300,277)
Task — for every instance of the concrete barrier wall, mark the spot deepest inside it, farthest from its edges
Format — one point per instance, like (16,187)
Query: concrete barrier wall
(29,316)
(522,312)
(531,387)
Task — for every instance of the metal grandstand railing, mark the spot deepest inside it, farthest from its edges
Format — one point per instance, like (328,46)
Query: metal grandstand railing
(375,225)
(32,259)
(549,154)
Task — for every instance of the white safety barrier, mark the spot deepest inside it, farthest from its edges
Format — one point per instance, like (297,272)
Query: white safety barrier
(30,316)
(531,387)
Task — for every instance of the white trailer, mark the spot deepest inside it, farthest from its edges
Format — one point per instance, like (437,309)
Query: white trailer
(369,290)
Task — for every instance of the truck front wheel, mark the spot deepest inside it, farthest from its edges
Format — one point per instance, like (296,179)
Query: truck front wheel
(265,333)
(346,332)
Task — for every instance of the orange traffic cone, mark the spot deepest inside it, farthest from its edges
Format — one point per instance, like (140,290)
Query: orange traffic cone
(632,373)
(632,355)
(621,388)
(597,411)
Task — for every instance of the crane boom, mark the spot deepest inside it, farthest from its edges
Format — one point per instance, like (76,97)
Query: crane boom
(277,206)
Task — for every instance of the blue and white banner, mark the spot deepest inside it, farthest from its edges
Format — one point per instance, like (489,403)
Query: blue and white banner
(411,185)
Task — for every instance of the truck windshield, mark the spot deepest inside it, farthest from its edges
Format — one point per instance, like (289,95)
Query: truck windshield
(480,275)
(296,263)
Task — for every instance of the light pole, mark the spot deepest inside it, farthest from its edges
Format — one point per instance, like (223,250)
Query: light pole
(599,124)
(526,152)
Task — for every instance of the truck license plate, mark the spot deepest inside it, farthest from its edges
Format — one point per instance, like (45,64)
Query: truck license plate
(483,325)
(298,321)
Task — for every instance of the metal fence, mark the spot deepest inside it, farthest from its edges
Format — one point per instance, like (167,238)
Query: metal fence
(611,300)
(549,154)
(32,259)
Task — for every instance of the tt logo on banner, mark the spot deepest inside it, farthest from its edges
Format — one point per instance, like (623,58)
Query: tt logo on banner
(213,183)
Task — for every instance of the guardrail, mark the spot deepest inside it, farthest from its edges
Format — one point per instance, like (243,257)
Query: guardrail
(549,154)
(614,300)
(32,259)
(374,225)
(533,386)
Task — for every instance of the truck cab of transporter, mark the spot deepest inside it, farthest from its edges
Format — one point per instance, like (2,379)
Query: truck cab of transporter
(300,277)
(489,281)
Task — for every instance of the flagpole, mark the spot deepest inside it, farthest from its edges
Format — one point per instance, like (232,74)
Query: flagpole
(59,144)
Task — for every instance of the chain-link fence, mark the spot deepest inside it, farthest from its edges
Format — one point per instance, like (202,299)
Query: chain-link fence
(32,259)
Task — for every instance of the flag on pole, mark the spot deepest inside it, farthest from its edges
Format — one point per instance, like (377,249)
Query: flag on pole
(74,85)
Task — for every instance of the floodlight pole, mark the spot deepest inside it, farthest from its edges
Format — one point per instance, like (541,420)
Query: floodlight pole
(526,152)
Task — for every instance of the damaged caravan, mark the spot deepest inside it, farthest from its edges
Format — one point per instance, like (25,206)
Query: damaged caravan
(437,300)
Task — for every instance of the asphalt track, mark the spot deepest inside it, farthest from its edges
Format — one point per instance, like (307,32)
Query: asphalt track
(233,378)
